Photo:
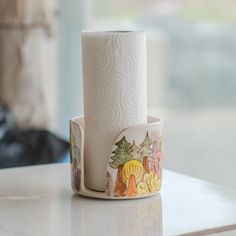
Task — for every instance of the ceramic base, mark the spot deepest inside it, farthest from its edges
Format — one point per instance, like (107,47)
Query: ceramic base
(138,175)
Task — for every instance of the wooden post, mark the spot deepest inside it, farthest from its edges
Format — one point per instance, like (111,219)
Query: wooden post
(28,59)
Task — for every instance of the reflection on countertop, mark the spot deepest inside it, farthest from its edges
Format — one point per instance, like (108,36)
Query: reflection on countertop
(127,217)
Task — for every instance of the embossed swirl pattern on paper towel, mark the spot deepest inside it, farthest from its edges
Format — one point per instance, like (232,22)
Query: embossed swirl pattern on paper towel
(115,80)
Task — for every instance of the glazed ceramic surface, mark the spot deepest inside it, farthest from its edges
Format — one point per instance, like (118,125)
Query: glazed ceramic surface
(134,166)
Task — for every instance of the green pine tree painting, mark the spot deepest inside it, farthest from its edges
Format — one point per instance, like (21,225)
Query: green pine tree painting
(134,148)
(122,153)
(145,152)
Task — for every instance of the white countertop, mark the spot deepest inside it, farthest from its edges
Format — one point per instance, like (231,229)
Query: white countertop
(38,201)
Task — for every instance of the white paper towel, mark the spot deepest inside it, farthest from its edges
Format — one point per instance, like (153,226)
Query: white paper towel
(114,78)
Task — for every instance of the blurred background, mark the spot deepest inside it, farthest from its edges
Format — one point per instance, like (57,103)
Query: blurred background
(191,74)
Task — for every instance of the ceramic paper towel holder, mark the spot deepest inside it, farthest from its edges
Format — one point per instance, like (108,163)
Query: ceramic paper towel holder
(137,175)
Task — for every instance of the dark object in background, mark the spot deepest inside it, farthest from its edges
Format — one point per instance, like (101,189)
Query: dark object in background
(22,147)
(7,121)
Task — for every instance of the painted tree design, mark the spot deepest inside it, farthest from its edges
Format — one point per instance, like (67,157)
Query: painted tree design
(145,152)
(134,153)
(156,155)
(74,150)
(109,185)
(121,155)
(160,147)
(132,174)
(76,175)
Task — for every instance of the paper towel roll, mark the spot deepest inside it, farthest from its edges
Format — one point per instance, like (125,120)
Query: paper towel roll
(114,78)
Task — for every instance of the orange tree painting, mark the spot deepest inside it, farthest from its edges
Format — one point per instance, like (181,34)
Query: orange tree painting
(122,155)
(134,176)
(132,173)
(156,155)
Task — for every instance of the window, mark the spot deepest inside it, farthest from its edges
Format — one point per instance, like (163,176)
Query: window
(191,74)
